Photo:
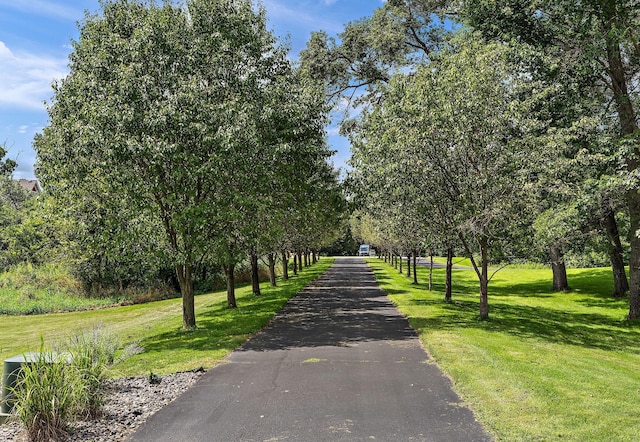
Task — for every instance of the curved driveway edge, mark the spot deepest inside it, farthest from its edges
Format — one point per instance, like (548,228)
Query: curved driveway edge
(337,363)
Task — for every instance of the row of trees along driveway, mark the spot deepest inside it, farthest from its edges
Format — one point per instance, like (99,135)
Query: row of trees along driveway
(507,129)
(191,119)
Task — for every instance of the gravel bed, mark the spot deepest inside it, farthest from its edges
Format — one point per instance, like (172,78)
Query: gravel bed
(129,403)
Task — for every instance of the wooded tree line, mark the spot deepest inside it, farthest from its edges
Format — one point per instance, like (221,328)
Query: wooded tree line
(506,129)
(12,199)
(183,137)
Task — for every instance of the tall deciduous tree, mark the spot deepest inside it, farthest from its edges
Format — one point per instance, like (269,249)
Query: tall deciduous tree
(12,194)
(457,126)
(595,39)
(7,165)
(164,107)
(401,33)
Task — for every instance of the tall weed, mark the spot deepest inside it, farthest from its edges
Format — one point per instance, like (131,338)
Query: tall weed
(51,276)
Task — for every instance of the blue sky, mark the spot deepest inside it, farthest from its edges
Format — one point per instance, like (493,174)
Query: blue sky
(35,38)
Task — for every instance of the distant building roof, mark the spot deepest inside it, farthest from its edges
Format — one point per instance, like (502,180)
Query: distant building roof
(30,185)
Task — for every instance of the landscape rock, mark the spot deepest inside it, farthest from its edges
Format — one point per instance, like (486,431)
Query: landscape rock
(129,403)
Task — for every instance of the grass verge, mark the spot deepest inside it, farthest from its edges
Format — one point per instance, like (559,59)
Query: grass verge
(546,366)
(157,326)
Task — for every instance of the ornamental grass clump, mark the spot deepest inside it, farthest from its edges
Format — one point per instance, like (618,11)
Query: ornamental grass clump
(67,383)
(92,355)
(45,396)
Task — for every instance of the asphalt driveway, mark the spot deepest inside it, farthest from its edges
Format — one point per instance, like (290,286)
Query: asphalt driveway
(338,363)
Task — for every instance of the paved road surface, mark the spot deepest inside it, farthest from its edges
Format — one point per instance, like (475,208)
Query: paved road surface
(338,363)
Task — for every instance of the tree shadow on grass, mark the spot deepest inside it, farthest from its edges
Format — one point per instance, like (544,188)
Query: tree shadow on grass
(218,329)
(221,330)
(596,282)
(591,329)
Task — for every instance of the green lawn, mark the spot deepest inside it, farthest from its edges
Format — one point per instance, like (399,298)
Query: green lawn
(157,326)
(546,366)
(457,261)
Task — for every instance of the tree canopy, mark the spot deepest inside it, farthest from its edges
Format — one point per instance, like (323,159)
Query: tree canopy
(189,115)
(504,138)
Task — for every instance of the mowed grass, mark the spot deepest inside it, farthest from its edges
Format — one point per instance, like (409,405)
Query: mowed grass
(157,326)
(457,261)
(546,366)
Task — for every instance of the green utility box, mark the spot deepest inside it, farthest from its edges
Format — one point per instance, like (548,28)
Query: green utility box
(12,368)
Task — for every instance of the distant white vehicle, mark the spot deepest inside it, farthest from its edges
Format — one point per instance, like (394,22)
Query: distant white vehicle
(364,250)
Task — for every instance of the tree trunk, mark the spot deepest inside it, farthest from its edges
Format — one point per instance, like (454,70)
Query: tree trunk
(271,257)
(295,263)
(175,282)
(634,259)
(204,272)
(484,280)
(400,261)
(229,271)
(560,282)
(482,272)
(409,265)
(448,290)
(285,265)
(620,282)
(185,279)
(255,274)
(415,267)
(628,127)
(430,271)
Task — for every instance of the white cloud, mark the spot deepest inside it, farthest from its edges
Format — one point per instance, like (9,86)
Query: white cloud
(329,2)
(27,78)
(43,7)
